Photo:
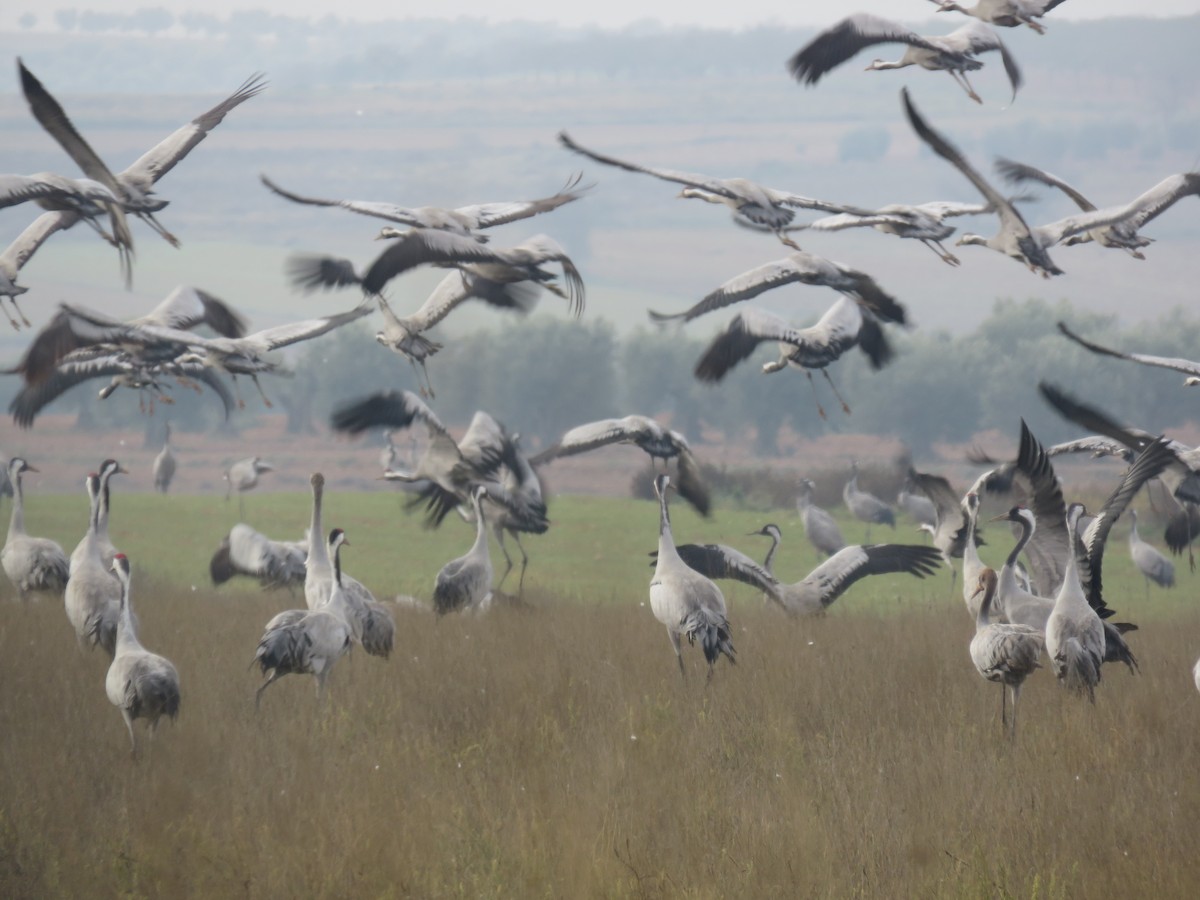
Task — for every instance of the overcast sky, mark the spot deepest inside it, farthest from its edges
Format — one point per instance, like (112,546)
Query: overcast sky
(611,13)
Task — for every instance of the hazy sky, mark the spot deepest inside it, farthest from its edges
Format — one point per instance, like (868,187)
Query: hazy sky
(612,13)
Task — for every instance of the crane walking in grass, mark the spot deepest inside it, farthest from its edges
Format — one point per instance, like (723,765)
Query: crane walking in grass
(1006,654)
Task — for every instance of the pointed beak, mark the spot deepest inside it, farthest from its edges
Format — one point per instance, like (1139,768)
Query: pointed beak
(29,468)
(1000,518)
(121,470)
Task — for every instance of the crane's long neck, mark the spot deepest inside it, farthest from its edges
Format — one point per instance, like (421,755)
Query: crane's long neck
(1026,534)
(666,541)
(770,558)
(126,635)
(318,554)
(983,618)
(480,545)
(16,522)
(337,593)
(1071,592)
(970,551)
(102,507)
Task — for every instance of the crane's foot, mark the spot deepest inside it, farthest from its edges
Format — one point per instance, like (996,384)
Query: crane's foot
(821,412)
(788,242)
(845,408)
(951,259)
(1035,26)
(974,96)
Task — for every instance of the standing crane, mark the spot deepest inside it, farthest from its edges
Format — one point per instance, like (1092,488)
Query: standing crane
(864,505)
(93,596)
(1003,653)
(141,684)
(108,468)
(1152,564)
(33,564)
(820,527)
(686,602)
(1074,633)
(242,476)
(308,642)
(164,463)
(465,583)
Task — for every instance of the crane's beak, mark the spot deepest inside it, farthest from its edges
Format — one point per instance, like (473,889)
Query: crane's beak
(121,470)
(29,468)
(1000,518)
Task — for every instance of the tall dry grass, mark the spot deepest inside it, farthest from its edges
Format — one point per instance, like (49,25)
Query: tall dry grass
(556,752)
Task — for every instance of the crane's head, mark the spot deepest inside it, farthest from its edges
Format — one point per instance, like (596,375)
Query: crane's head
(770,530)
(971,501)
(387,233)
(337,538)
(661,483)
(1018,514)
(17,465)
(120,565)
(317,480)
(986,585)
(968,240)
(112,467)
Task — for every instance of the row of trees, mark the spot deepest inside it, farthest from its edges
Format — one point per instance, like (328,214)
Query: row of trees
(541,376)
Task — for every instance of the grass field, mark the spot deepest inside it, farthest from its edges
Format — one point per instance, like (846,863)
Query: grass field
(553,750)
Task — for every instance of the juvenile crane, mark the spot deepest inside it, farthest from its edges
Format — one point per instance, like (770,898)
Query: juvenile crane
(1152,564)
(141,684)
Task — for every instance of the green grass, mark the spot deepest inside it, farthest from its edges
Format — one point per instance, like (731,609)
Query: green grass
(555,751)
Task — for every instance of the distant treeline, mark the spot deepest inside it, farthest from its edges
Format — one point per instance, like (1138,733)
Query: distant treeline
(541,376)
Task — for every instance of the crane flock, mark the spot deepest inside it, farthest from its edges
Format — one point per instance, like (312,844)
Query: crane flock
(1053,602)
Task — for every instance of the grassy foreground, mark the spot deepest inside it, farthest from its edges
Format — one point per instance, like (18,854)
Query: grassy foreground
(554,751)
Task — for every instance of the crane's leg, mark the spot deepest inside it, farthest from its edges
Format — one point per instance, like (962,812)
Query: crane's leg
(261,392)
(17,309)
(428,384)
(524,563)
(1032,24)
(961,78)
(132,738)
(943,254)
(1003,704)
(1016,694)
(508,563)
(786,241)
(833,387)
(275,676)
(149,219)
(816,399)
(678,652)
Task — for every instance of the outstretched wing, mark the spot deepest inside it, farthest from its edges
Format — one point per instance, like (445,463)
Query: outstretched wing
(1186,366)
(835,576)
(703,182)
(835,45)
(387,409)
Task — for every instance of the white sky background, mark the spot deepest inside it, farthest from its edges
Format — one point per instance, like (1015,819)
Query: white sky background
(609,14)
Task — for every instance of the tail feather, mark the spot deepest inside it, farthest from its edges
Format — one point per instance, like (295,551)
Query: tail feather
(712,630)
(1077,669)
(281,649)
(1115,648)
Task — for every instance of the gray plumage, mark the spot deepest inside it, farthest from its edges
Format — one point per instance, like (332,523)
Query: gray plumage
(164,463)
(687,603)
(1004,13)
(864,505)
(465,583)
(33,564)
(243,476)
(820,527)
(249,553)
(1074,633)
(1185,366)
(1003,653)
(141,684)
(93,596)
(1152,564)
(108,468)
(919,507)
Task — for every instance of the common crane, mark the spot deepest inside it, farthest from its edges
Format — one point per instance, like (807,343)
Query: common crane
(1152,564)
(749,202)
(644,432)
(864,505)
(247,552)
(1004,13)
(1003,653)
(465,220)
(34,565)
(955,52)
(141,684)
(93,596)
(1016,238)
(1121,234)
(687,603)
(243,476)
(421,246)
(1074,633)
(308,642)
(465,583)
(164,463)
(108,468)
(919,507)
(823,585)
(135,185)
(820,527)
(842,327)
(796,268)
(370,622)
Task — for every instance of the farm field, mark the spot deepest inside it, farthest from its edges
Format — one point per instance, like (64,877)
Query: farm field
(551,749)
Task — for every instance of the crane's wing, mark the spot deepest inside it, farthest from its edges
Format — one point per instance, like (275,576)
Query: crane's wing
(483,443)
(28,241)
(976,37)
(387,409)
(1186,366)
(1095,445)
(310,272)
(1149,464)
(423,246)
(592,435)
(294,332)
(1048,548)
(704,182)
(795,268)
(848,220)
(17,189)
(1053,232)
(389,211)
(487,215)
(690,484)
(720,561)
(1009,217)
(835,45)
(1161,197)
(950,532)
(834,576)
(162,157)
(542,248)
(187,307)
(1020,173)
